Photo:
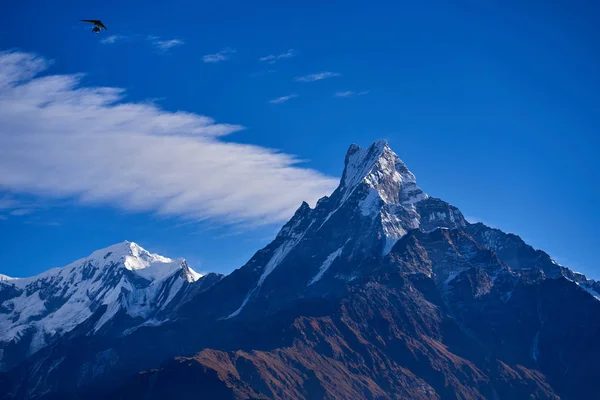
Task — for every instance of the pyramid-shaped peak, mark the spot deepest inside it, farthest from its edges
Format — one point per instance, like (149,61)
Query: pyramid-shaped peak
(381,169)
(377,148)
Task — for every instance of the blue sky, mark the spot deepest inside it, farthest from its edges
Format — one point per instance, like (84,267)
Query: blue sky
(494,105)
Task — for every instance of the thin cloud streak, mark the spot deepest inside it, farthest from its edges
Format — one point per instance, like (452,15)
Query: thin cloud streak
(59,139)
(222,55)
(272,59)
(16,208)
(351,93)
(317,77)
(283,99)
(112,39)
(21,211)
(164,45)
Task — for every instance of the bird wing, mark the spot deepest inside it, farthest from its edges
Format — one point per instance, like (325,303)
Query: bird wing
(95,22)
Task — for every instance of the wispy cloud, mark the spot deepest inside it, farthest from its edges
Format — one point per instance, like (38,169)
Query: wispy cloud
(38,222)
(157,42)
(317,77)
(59,139)
(350,93)
(7,202)
(112,39)
(164,45)
(21,211)
(222,55)
(167,44)
(272,59)
(262,73)
(282,99)
(13,207)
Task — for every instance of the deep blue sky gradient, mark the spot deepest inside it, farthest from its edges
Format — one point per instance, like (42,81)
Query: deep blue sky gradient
(494,105)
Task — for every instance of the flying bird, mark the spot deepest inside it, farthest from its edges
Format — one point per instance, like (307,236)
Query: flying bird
(97,25)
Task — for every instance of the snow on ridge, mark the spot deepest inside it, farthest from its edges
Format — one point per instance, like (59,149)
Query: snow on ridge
(326,264)
(156,271)
(99,278)
(193,275)
(277,258)
(6,278)
(391,191)
(587,288)
(390,242)
(381,169)
(139,258)
(371,204)
(130,254)
(360,163)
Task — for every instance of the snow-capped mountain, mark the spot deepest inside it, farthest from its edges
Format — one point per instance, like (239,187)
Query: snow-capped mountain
(379,291)
(120,279)
(380,279)
(377,202)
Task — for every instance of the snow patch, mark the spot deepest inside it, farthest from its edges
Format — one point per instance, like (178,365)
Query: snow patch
(236,312)
(157,270)
(589,290)
(325,266)
(194,276)
(371,204)
(389,244)
(535,352)
(451,277)
(278,256)
(437,216)
(72,293)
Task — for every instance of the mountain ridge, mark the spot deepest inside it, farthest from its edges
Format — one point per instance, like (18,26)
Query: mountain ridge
(123,276)
(379,291)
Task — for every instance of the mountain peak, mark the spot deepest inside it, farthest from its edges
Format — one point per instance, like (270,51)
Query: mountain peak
(359,161)
(381,169)
(124,277)
(132,255)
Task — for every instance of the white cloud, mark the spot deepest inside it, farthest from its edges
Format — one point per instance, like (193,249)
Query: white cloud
(317,77)
(351,93)
(282,99)
(272,59)
(14,207)
(61,140)
(21,211)
(7,202)
(112,39)
(164,45)
(222,55)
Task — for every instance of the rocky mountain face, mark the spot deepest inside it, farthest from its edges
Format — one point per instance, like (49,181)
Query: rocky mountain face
(378,292)
(112,291)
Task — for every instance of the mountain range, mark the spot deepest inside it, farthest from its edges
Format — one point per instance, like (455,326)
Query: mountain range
(378,292)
